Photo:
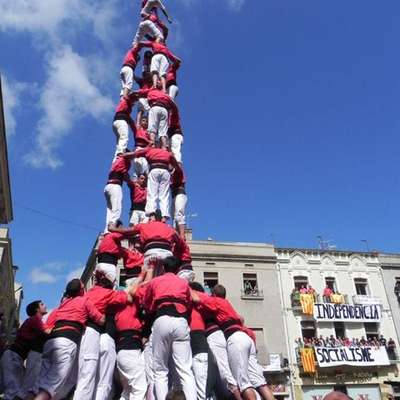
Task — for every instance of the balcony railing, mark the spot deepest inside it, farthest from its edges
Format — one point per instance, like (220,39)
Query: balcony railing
(255,294)
(295,300)
(366,299)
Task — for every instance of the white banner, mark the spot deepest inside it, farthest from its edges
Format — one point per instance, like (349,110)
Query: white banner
(347,312)
(355,356)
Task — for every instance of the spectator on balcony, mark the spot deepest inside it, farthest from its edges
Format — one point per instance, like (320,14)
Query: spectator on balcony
(362,341)
(382,341)
(326,294)
(391,349)
(397,289)
(310,290)
(303,290)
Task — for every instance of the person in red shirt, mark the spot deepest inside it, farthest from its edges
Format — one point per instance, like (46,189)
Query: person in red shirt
(158,180)
(101,295)
(199,345)
(179,200)
(27,347)
(175,133)
(130,362)
(127,72)
(138,190)
(171,80)
(65,326)
(149,7)
(157,238)
(162,56)
(167,298)
(238,342)
(160,104)
(122,122)
(142,140)
(145,82)
(113,189)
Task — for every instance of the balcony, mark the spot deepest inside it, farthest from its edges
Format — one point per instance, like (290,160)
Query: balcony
(252,294)
(366,299)
(295,300)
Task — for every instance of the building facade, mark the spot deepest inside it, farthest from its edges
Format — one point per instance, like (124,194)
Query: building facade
(336,308)
(8,310)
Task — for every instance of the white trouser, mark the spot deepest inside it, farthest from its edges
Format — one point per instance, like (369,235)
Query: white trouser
(12,368)
(217,343)
(173,91)
(158,121)
(143,105)
(160,254)
(176,146)
(126,75)
(146,27)
(158,189)
(113,194)
(58,361)
(109,270)
(255,369)
(200,371)
(141,166)
(148,361)
(187,274)
(131,368)
(179,203)
(239,348)
(32,371)
(137,217)
(171,338)
(121,130)
(106,367)
(89,354)
(159,64)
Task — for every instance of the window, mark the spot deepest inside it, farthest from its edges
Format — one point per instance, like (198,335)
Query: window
(361,286)
(308,329)
(397,288)
(250,284)
(371,330)
(210,280)
(340,330)
(331,283)
(300,281)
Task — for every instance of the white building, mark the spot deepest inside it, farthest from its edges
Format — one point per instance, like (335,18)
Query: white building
(358,277)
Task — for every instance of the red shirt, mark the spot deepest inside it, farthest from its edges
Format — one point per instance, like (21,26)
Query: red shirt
(221,308)
(154,232)
(182,252)
(161,48)
(142,138)
(168,286)
(174,122)
(119,169)
(127,318)
(124,110)
(196,321)
(138,193)
(157,97)
(131,57)
(171,74)
(102,297)
(111,244)
(154,155)
(31,330)
(132,258)
(77,309)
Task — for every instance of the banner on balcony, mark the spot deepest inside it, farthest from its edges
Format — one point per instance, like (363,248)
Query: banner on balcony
(354,356)
(307,302)
(347,312)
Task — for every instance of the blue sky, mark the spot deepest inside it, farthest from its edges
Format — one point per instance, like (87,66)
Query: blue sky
(290,111)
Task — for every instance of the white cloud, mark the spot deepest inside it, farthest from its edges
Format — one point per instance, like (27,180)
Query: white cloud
(235,5)
(12,92)
(41,275)
(68,95)
(76,273)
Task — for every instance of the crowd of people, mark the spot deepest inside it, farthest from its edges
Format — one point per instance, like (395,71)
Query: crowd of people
(329,295)
(333,341)
(162,337)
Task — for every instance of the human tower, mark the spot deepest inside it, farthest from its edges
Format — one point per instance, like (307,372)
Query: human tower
(163,336)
